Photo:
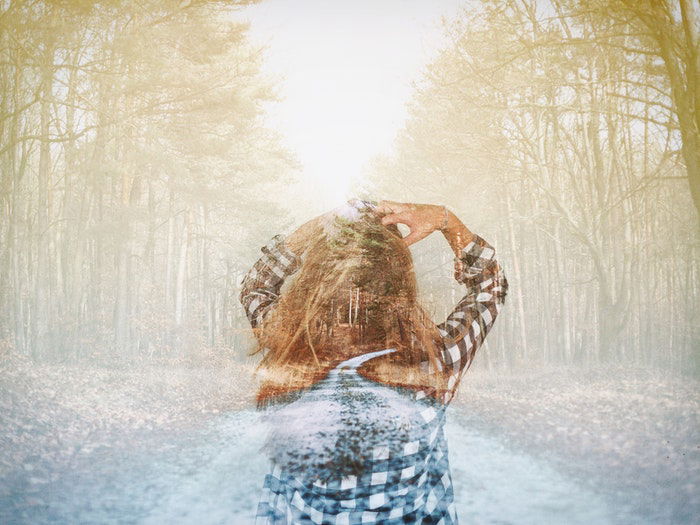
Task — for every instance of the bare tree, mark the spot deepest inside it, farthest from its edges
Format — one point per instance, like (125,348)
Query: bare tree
(559,140)
(132,143)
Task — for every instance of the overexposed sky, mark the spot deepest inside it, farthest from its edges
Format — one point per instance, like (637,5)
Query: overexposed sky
(345,69)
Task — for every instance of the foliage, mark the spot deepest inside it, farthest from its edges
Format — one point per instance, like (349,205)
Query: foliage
(557,129)
(133,150)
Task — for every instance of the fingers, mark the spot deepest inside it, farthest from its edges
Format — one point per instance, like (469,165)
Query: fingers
(383,208)
(390,207)
(397,218)
(415,236)
(404,213)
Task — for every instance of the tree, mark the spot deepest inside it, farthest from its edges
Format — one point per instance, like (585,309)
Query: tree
(133,156)
(535,118)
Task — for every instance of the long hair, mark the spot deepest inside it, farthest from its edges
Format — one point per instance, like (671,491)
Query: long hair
(355,292)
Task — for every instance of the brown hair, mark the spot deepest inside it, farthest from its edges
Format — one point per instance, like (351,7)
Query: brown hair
(356,292)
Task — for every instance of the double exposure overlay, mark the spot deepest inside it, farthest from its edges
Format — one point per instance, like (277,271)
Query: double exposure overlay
(397,261)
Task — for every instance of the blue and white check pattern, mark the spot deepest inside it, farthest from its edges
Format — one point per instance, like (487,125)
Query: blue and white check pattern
(414,486)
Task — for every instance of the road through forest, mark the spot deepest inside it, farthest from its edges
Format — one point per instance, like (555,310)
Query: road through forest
(214,476)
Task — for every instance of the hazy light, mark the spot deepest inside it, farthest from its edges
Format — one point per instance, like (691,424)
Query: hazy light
(346,70)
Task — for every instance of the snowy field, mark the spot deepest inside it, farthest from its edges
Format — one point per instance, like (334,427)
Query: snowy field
(181,445)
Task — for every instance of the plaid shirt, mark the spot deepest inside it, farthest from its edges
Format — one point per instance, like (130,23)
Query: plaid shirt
(414,486)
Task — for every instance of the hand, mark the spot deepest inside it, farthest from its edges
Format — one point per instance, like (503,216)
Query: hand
(421,219)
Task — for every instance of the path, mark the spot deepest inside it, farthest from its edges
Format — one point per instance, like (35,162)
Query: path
(214,475)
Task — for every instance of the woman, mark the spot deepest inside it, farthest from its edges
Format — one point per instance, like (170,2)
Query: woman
(346,348)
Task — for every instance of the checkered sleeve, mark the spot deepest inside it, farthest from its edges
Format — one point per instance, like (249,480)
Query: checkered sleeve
(260,288)
(471,320)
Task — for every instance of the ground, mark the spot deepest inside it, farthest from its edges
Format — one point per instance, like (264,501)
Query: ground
(630,433)
(178,442)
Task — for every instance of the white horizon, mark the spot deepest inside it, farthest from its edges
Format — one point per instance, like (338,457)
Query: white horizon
(344,71)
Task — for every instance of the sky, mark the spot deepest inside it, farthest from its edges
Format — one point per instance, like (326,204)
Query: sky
(344,71)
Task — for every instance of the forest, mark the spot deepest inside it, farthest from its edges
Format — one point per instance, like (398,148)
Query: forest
(577,134)
(139,176)
(136,165)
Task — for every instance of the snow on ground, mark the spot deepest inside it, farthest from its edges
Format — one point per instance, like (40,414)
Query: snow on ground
(57,414)
(181,445)
(215,475)
(632,434)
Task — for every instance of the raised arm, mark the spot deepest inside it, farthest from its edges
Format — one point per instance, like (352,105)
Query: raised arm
(475,266)
(260,289)
(473,317)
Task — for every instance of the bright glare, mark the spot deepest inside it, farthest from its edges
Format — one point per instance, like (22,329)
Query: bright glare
(345,71)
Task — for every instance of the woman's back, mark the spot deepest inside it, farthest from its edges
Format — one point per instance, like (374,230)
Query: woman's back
(350,446)
(361,440)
